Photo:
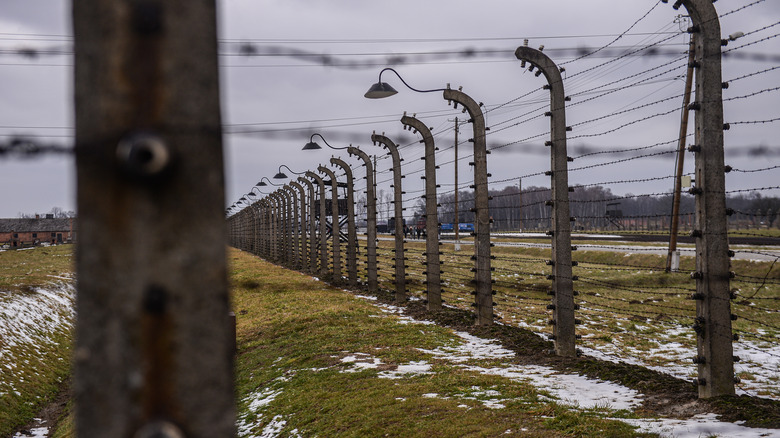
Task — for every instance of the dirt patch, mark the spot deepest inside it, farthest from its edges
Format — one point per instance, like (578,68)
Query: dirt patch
(51,414)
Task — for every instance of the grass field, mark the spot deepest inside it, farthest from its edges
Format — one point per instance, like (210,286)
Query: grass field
(631,310)
(314,360)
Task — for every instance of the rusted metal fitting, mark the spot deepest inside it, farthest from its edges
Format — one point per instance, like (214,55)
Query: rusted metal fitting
(143,154)
(159,429)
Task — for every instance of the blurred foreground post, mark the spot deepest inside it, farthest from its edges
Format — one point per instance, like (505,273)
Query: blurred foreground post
(153,354)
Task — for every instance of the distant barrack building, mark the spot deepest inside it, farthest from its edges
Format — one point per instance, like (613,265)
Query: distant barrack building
(26,232)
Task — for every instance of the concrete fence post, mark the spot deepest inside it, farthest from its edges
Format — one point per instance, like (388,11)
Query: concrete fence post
(335,226)
(312,225)
(432,260)
(351,231)
(153,346)
(400,254)
(303,254)
(371,268)
(482,266)
(715,353)
(322,232)
(562,291)
(292,219)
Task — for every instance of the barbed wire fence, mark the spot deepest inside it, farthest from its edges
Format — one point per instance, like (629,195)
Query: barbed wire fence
(618,297)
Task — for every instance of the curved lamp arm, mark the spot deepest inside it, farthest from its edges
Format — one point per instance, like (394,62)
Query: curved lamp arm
(282,175)
(383,89)
(262,183)
(311,145)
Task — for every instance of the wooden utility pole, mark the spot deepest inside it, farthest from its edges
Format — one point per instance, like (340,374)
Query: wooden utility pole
(681,154)
(456,221)
(153,356)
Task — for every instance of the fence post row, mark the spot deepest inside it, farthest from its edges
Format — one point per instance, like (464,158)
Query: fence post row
(400,252)
(371,268)
(482,267)
(334,208)
(351,231)
(432,261)
(312,226)
(300,224)
(562,291)
(712,324)
(153,348)
(322,217)
(715,351)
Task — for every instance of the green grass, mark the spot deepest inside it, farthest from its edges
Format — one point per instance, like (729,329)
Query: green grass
(293,333)
(630,307)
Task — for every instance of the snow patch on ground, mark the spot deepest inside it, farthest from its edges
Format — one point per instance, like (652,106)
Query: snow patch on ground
(28,321)
(704,425)
(582,392)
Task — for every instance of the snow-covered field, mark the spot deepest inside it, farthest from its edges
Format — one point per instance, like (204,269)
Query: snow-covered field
(28,323)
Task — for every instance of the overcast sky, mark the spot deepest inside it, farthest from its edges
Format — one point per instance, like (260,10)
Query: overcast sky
(271,104)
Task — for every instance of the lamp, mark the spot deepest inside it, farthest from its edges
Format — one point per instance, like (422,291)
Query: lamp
(282,175)
(264,184)
(382,89)
(312,145)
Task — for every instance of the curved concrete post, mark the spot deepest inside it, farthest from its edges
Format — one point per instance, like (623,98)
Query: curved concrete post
(256,222)
(400,255)
(292,220)
(562,284)
(482,275)
(323,214)
(432,261)
(282,230)
(276,209)
(303,254)
(371,269)
(335,226)
(351,231)
(263,234)
(713,310)
(312,226)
